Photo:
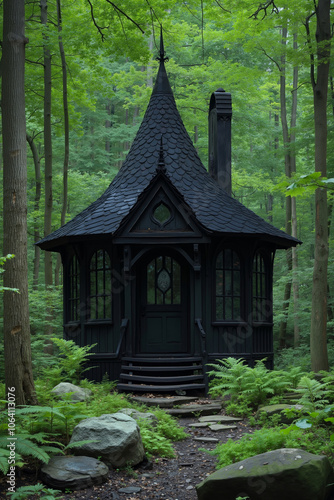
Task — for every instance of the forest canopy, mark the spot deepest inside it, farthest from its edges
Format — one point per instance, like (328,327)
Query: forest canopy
(89,71)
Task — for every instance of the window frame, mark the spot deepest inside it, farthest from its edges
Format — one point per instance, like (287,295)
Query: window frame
(236,289)
(100,297)
(73,299)
(261,289)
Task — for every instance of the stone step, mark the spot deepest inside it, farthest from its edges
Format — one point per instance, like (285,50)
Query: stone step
(192,410)
(164,402)
(219,418)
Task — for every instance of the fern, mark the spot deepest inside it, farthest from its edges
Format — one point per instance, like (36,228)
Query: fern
(312,394)
(72,358)
(24,492)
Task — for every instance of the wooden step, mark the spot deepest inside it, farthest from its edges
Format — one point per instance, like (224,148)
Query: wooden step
(159,380)
(156,360)
(164,368)
(159,388)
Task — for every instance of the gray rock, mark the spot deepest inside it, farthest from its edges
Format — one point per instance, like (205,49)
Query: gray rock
(79,393)
(200,424)
(117,439)
(130,489)
(219,418)
(195,409)
(137,415)
(206,439)
(275,409)
(286,473)
(164,402)
(221,427)
(74,473)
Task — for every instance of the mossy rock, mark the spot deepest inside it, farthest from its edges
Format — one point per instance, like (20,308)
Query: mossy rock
(287,473)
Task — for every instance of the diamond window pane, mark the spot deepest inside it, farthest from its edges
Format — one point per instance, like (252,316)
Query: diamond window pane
(162,214)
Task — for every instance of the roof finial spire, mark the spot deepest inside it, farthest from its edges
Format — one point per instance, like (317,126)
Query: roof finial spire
(162,57)
(161,167)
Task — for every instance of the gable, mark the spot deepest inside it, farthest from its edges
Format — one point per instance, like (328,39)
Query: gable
(160,213)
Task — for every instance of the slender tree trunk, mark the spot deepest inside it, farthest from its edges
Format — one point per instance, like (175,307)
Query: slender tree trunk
(66,133)
(293,123)
(47,172)
(18,369)
(286,143)
(318,333)
(47,145)
(38,187)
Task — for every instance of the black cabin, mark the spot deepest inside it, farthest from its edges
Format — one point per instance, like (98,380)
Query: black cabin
(166,271)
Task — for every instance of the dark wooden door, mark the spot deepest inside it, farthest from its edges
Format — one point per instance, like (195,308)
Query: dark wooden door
(163,307)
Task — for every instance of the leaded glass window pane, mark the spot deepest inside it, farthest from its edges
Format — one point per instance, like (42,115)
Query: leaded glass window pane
(74,290)
(261,306)
(100,286)
(228,289)
(163,281)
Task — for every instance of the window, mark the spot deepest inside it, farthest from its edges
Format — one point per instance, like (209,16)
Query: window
(261,307)
(162,214)
(228,300)
(74,290)
(163,281)
(100,286)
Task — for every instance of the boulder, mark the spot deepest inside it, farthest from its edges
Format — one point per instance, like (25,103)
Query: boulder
(73,473)
(79,393)
(285,473)
(137,415)
(271,410)
(116,436)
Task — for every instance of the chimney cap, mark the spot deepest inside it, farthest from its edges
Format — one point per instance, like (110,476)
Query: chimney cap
(221,101)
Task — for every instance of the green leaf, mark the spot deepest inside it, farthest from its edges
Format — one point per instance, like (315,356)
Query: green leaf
(303,424)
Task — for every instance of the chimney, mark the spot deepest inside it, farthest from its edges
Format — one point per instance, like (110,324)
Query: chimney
(220,114)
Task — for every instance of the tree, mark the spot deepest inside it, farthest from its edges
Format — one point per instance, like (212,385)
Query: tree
(318,333)
(18,369)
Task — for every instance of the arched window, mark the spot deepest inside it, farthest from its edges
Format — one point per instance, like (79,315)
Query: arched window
(74,290)
(100,286)
(228,299)
(261,305)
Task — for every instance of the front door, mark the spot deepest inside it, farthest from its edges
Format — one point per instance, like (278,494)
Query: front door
(163,307)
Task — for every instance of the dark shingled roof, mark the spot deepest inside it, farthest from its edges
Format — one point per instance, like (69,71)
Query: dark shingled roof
(213,207)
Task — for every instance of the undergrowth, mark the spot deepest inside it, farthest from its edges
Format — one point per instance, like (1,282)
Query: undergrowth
(264,440)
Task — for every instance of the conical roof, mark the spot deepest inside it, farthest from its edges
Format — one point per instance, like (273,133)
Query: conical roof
(214,209)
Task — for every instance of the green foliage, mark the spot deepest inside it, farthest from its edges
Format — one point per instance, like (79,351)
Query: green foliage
(58,419)
(247,387)
(312,394)
(261,441)
(24,492)
(2,263)
(72,358)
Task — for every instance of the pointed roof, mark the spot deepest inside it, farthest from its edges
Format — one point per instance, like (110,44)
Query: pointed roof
(163,140)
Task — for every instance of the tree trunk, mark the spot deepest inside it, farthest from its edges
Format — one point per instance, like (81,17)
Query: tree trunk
(47,146)
(295,284)
(18,369)
(286,143)
(38,187)
(318,333)
(66,133)
(47,172)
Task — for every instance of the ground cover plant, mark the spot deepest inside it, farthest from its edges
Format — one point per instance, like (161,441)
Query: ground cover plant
(312,414)
(44,430)
(247,388)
